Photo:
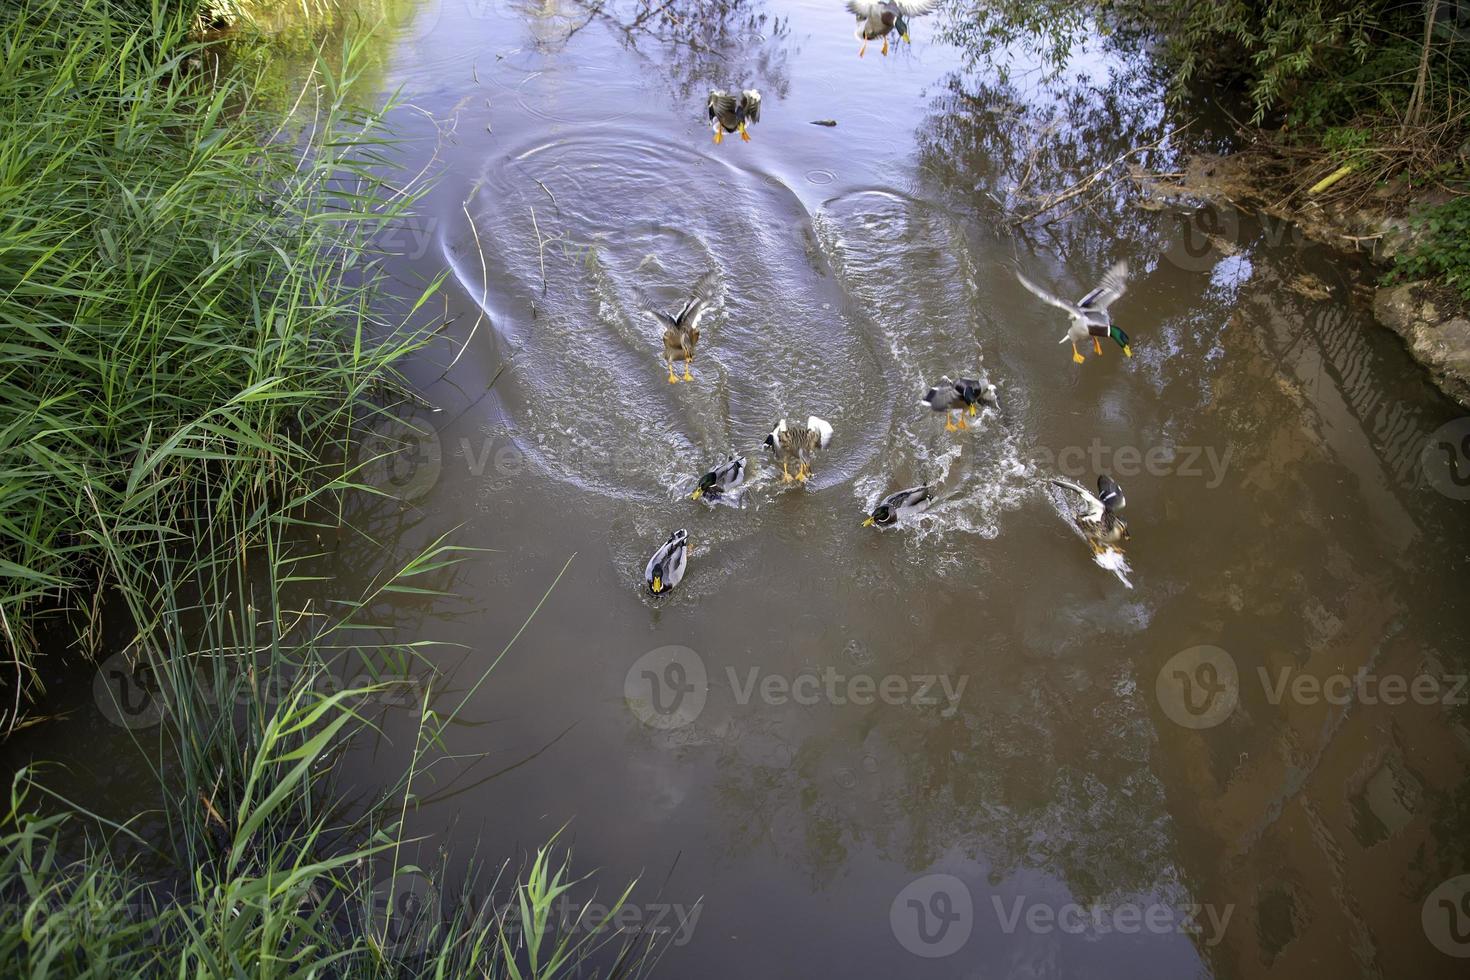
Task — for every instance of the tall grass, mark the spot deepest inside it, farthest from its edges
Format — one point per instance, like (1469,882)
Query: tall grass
(186,318)
(184,306)
(257,862)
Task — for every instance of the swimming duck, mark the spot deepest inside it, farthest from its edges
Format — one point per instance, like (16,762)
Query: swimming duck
(914,500)
(1100,522)
(666,568)
(962,396)
(729,114)
(878,18)
(681,331)
(795,440)
(722,479)
(1090,316)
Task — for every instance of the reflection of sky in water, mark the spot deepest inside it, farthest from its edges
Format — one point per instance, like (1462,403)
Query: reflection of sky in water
(1231,272)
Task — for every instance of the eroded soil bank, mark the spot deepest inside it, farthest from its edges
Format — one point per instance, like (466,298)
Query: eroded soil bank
(1430,318)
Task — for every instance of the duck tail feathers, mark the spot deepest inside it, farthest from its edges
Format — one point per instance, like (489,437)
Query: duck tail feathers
(822,428)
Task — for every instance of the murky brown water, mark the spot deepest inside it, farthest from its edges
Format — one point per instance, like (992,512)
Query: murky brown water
(869,749)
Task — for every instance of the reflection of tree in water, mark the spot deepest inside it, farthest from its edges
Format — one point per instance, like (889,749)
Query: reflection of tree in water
(701,43)
(999,782)
(1004,151)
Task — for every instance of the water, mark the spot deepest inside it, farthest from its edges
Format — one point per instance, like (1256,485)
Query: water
(940,737)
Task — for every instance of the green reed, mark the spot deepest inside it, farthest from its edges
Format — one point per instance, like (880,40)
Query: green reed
(184,304)
(187,297)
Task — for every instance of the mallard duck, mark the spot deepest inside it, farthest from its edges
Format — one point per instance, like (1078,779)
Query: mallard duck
(963,396)
(730,114)
(914,500)
(879,18)
(798,441)
(1090,317)
(722,479)
(681,331)
(1099,521)
(666,568)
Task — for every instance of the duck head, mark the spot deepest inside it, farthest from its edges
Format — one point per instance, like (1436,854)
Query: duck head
(882,515)
(1121,339)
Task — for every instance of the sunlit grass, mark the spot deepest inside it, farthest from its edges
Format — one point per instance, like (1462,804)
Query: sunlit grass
(186,314)
(184,307)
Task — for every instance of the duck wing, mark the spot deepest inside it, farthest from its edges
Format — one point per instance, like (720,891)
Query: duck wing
(912,497)
(1095,509)
(668,322)
(698,303)
(1047,297)
(1113,285)
(915,8)
(944,398)
(865,9)
(1110,493)
(750,105)
(720,101)
(722,106)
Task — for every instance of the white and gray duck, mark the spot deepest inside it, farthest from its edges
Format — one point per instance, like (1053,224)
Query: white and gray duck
(726,477)
(896,506)
(666,568)
(1089,315)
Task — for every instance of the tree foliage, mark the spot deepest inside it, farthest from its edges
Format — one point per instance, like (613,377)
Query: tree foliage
(1282,53)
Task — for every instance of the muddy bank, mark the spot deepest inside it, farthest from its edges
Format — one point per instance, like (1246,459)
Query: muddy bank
(1431,319)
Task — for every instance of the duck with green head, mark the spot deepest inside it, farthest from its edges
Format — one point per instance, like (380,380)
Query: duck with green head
(666,568)
(914,500)
(961,398)
(722,479)
(1089,315)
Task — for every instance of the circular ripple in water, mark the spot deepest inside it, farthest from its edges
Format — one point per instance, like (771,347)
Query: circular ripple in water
(559,94)
(910,267)
(586,397)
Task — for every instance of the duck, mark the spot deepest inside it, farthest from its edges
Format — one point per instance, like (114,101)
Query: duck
(1099,520)
(1090,316)
(681,330)
(914,500)
(799,441)
(963,396)
(879,18)
(666,568)
(731,114)
(726,476)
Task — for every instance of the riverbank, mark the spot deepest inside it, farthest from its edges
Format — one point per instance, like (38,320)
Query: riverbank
(194,347)
(1383,224)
